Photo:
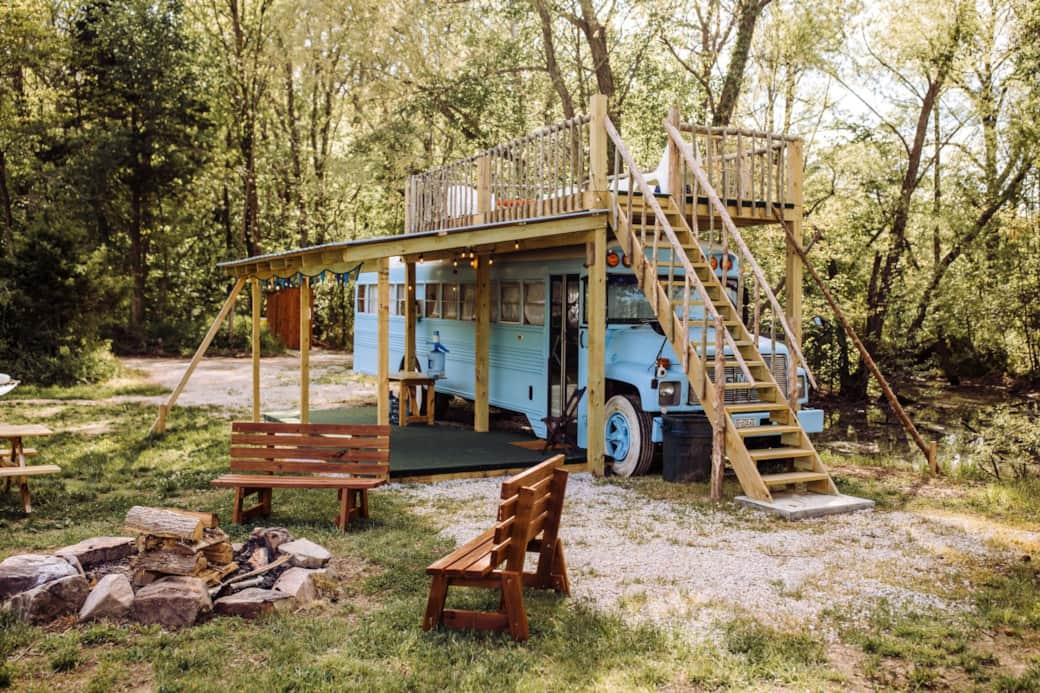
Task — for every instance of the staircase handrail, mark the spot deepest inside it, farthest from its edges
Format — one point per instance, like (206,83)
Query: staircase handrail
(702,179)
(677,249)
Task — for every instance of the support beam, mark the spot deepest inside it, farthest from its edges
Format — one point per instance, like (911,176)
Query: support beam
(598,150)
(410,315)
(793,265)
(305,350)
(484,208)
(596,309)
(481,409)
(674,160)
(256,349)
(383,344)
(164,409)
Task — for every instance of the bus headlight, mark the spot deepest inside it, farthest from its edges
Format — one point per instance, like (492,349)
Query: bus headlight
(668,393)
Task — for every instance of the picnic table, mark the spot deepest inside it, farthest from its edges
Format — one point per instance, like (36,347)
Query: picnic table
(12,460)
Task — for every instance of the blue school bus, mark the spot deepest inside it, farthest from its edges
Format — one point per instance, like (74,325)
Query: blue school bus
(538,346)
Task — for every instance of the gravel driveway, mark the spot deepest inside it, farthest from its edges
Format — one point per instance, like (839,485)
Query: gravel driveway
(681,564)
(228,382)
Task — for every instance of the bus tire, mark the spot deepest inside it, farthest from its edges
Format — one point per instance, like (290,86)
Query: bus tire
(627,436)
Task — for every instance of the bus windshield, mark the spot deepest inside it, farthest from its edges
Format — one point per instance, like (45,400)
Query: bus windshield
(625,300)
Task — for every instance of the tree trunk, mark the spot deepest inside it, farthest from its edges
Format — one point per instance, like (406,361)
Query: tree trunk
(749,12)
(551,65)
(8,215)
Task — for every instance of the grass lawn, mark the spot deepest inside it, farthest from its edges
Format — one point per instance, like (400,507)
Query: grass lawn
(365,633)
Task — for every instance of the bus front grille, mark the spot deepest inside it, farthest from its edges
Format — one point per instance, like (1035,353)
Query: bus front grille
(777,365)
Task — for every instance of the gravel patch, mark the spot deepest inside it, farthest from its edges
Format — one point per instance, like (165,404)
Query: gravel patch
(673,563)
(228,382)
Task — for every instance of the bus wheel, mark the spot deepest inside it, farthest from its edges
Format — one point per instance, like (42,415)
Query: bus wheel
(627,436)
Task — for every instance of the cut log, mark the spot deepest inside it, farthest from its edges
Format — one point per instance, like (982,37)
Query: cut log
(208,520)
(219,554)
(171,563)
(164,523)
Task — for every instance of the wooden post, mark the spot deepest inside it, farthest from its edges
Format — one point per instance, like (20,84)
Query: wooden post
(483,328)
(305,350)
(164,409)
(383,344)
(675,185)
(256,349)
(409,200)
(793,265)
(597,321)
(410,315)
(484,208)
(598,150)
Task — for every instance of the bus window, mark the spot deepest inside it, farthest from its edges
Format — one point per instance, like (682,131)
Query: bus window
(433,300)
(362,293)
(450,310)
(534,303)
(402,298)
(510,302)
(469,302)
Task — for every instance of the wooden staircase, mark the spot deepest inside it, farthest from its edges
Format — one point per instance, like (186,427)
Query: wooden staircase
(684,291)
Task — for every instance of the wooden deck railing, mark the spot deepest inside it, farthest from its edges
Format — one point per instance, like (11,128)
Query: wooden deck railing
(544,173)
(746,168)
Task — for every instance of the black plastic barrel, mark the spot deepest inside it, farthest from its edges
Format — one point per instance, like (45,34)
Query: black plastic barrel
(687,447)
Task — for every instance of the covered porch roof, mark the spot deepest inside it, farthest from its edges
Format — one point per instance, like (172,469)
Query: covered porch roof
(496,238)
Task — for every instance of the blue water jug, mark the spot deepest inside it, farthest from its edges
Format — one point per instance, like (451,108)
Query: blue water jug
(435,360)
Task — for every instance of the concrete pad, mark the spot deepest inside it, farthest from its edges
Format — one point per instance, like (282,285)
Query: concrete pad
(798,506)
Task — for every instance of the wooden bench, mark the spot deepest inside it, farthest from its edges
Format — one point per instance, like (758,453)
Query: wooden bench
(528,520)
(348,458)
(5,453)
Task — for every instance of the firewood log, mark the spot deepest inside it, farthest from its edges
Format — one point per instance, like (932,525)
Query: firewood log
(171,563)
(163,523)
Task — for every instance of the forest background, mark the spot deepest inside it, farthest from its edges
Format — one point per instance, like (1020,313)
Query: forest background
(142,141)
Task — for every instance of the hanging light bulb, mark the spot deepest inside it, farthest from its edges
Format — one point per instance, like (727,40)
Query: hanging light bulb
(491,260)
(420,258)
(516,245)
(455,262)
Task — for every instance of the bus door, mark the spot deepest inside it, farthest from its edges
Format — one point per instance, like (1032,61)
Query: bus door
(563,340)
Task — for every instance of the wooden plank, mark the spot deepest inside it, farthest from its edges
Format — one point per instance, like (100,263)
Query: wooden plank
(383,344)
(317,429)
(32,470)
(481,408)
(478,544)
(268,481)
(596,309)
(255,342)
(160,422)
(302,467)
(528,477)
(305,350)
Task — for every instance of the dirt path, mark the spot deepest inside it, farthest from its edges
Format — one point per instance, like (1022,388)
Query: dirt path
(227,382)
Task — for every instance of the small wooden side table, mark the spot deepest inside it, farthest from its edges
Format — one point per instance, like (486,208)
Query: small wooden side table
(12,465)
(411,399)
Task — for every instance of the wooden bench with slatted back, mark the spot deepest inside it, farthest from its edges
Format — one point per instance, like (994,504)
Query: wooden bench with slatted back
(528,521)
(348,458)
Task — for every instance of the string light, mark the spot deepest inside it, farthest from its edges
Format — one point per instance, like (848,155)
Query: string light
(516,245)
(420,258)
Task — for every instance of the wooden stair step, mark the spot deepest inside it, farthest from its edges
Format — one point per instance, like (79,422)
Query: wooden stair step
(785,478)
(781,453)
(774,430)
(750,386)
(750,407)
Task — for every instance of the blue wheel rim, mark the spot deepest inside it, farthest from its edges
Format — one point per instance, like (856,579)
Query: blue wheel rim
(618,436)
